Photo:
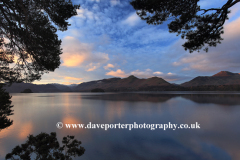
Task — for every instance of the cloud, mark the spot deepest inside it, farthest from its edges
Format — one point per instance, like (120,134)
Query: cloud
(132,20)
(177,63)
(232,31)
(148,73)
(149,35)
(85,14)
(110,32)
(72,78)
(108,66)
(92,67)
(224,57)
(157,73)
(234,10)
(114,2)
(104,40)
(77,54)
(73,60)
(96,0)
(118,73)
(186,69)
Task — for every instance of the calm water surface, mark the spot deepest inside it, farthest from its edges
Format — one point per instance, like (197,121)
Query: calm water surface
(218,116)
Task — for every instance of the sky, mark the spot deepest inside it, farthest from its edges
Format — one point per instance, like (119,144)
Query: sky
(107,39)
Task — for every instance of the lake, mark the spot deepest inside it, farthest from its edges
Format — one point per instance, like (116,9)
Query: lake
(217,113)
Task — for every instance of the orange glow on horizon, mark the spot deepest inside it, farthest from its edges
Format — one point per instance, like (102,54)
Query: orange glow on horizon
(73,78)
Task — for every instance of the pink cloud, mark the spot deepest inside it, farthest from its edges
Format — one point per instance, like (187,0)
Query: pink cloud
(118,73)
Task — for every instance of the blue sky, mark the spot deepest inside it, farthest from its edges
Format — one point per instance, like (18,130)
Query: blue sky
(107,39)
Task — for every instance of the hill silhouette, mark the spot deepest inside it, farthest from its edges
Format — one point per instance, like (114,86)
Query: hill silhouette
(130,83)
(221,78)
(222,81)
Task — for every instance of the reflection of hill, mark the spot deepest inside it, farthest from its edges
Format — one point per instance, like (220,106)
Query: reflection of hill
(222,99)
(132,97)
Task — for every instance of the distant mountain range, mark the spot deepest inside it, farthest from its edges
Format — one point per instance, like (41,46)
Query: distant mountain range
(130,83)
(19,87)
(221,78)
(222,81)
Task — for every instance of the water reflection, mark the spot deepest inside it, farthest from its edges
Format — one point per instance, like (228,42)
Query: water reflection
(221,99)
(163,148)
(134,97)
(218,137)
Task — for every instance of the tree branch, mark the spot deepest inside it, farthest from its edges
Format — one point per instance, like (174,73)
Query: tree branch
(232,4)
(211,9)
(229,4)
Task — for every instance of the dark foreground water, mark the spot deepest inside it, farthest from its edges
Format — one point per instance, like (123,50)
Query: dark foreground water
(217,113)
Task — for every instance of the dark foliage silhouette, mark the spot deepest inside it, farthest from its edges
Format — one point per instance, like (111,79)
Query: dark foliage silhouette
(29,47)
(201,27)
(46,147)
(5,109)
(28,38)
